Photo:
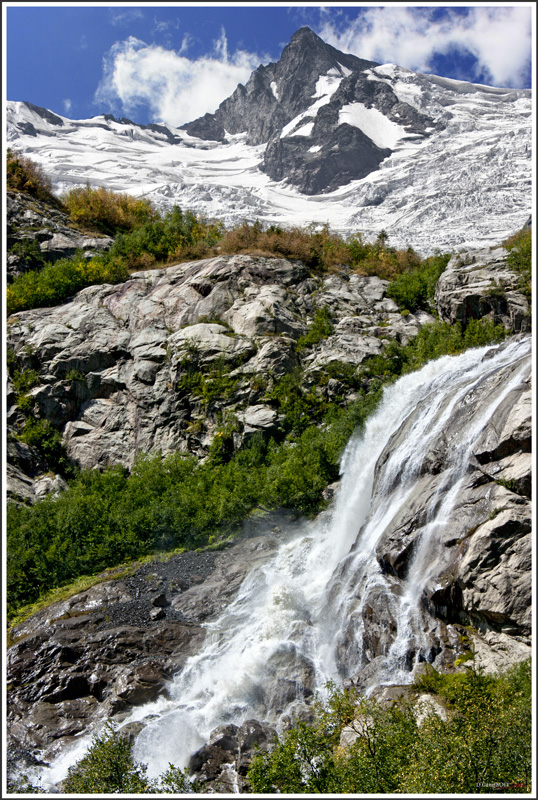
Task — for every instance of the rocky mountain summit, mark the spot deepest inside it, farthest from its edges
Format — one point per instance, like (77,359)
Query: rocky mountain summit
(308,109)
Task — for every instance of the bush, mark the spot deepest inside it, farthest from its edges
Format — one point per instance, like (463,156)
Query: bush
(432,341)
(519,258)
(484,744)
(321,328)
(109,768)
(415,289)
(379,258)
(319,250)
(57,282)
(106,211)
(29,252)
(176,236)
(40,434)
(23,175)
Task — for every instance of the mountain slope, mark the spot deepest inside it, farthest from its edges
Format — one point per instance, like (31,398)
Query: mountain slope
(319,136)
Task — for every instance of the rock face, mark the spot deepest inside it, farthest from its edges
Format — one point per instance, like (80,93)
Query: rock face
(101,653)
(221,765)
(479,284)
(31,222)
(479,564)
(155,363)
(305,108)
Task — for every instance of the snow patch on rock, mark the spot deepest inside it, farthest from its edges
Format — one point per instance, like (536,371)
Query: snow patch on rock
(381,130)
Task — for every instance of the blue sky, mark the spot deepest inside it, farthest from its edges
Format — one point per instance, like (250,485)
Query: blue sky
(175,62)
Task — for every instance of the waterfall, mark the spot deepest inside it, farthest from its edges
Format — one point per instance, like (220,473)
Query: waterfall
(298,621)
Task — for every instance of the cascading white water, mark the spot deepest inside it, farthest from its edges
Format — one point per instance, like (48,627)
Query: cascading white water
(284,630)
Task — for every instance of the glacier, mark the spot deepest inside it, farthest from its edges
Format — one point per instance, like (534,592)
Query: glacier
(467,184)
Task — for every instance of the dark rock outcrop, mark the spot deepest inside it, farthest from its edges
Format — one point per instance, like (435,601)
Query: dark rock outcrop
(295,106)
(99,653)
(221,765)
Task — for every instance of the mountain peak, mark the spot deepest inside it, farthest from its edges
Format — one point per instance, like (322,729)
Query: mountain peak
(305,34)
(277,93)
(300,108)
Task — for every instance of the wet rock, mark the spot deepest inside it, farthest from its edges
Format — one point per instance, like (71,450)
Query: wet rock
(97,654)
(142,683)
(221,765)
(479,557)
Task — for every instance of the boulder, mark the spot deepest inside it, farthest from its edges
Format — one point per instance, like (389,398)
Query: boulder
(480,284)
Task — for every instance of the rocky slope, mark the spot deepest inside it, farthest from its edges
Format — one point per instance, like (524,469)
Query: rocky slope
(161,362)
(115,646)
(106,651)
(115,369)
(116,364)
(38,234)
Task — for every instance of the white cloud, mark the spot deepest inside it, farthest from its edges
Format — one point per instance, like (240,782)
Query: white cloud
(67,105)
(498,37)
(125,17)
(175,88)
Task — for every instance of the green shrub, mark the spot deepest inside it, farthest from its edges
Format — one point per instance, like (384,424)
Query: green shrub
(109,768)
(432,341)
(320,329)
(484,744)
(39,433)
(57,282)
(176,236)
(519,258)
(298,405)
(30,253)
(414,289)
